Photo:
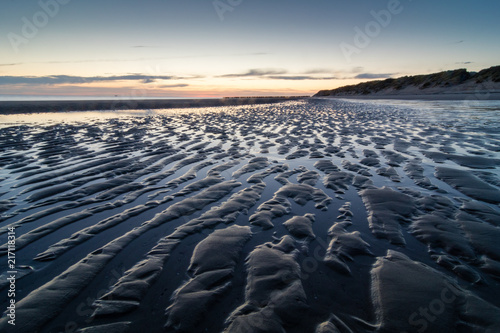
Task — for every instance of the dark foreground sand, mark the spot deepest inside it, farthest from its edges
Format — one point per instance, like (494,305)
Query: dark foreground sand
(316,215)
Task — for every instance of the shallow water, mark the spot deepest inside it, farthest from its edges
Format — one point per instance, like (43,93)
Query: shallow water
(357,215)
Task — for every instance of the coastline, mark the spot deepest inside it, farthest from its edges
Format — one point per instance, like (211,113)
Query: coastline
(447,85)
(455,96)
(20,107)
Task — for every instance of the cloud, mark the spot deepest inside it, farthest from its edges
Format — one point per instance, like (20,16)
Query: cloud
(464,63)
(143,46)
(67,79)
(12,64)
(275,74)
(319,71)
(252,53)
(299,77)
(180,85)
(137,59)
(372,76)
(357,69)
(257,73)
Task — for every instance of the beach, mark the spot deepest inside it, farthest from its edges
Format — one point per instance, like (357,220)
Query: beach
(301,215)
(118,104)
(452,96)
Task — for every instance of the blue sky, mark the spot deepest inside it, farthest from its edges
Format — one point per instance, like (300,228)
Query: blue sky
(200,48)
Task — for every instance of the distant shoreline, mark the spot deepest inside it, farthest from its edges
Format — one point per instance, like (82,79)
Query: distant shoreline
(18,107)
(456,84)
(459,96)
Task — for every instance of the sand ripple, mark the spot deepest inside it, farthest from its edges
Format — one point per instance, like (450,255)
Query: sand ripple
(302,216)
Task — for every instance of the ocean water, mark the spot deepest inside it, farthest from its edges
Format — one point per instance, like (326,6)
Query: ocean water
(292,216)
(75,98)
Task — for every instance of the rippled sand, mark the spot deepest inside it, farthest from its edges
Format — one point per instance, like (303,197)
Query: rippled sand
(304,216)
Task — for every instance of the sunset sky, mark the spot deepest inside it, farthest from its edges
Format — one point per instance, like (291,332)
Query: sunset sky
(205,48)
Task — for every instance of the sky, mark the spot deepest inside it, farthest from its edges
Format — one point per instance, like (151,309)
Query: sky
(207,48)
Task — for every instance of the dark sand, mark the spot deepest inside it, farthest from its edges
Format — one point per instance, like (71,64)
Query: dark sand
(14,107)
(315,215)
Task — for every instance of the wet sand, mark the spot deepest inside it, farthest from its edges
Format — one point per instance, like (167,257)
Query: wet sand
(15,107)
(317,215)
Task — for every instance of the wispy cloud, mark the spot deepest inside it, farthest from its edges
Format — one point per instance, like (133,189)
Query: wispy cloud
(67,79)
(373,76)
(180,85)
(12,64)
(358,69)
(257,73)
(464,62)
(82,61)
(144,46)
(299,77)
(319,71)
(276,74)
